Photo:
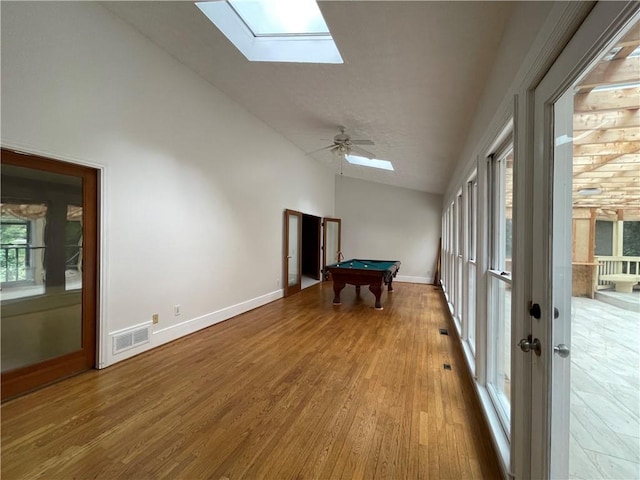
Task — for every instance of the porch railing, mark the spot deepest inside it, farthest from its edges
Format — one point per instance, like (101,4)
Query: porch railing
(608,265)
(17,262)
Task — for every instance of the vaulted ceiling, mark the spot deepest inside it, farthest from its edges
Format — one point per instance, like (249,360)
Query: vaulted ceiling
(412,78)
(411,81)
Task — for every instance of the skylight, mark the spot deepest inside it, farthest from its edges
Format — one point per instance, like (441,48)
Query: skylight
(369,162)
(274,30)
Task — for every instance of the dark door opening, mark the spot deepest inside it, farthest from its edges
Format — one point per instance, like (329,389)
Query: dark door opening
(311,246)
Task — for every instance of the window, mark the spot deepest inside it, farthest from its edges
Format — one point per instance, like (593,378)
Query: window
(14,261)
(458,261)
(631,239)
(274,30)
(369,162)
(471,264)
(499,282)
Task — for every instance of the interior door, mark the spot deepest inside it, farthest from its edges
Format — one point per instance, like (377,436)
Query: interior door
(331,250)
(292,248)
(49,270)
(553,359)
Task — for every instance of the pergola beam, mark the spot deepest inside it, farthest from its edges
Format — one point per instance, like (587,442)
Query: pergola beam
(606,120)
(614,72)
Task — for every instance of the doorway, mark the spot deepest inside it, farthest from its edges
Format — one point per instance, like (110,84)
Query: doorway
(303,260)
(48,269)
(310,250)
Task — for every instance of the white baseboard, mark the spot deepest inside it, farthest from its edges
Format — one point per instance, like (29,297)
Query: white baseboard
(174,332)
(408,279)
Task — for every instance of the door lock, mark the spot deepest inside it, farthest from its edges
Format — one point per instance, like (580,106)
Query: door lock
(562,350)
(535,311)
(530,344)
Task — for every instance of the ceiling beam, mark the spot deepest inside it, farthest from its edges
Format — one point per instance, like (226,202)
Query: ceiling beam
(614,72)
(606,120)
(607,136)
(626,98)
(602,149)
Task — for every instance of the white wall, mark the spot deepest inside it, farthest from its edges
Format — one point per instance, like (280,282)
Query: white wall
(496,103)
(390,223)
(194,186)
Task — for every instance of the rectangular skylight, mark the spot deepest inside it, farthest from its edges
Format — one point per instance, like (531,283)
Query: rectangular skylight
(369,162)
(274,30)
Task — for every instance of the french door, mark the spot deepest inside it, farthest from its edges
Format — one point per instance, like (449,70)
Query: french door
(294,245)
(564,438)
(331,250)
(293,252)
(49,271)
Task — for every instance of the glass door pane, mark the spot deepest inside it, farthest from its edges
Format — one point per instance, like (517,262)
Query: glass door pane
(40,266)
(292,248)
(585,389)
(332,240)
(292,254)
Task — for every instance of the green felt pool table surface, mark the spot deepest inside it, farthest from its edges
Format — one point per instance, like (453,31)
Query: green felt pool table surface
(370,264)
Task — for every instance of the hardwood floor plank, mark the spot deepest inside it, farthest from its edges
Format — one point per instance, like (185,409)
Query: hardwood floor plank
(295,389)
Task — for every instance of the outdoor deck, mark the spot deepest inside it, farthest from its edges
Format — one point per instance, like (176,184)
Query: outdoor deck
(605,389)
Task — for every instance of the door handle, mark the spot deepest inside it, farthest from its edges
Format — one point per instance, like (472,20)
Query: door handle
(562,350)
(528,344)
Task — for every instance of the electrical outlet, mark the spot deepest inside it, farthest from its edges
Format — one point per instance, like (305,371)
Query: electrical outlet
(155,318)
(176,310)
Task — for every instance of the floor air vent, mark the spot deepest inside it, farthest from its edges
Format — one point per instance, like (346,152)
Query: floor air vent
(129,339)
(444,331)
(446,366)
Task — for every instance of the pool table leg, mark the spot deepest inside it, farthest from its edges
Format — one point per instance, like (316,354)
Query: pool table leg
(390,285)
(376,289)
(337,288)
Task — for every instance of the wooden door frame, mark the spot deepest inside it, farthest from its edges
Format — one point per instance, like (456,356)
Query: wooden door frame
(24,379)
(290,290)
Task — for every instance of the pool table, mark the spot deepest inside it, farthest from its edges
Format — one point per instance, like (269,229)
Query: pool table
(362,272)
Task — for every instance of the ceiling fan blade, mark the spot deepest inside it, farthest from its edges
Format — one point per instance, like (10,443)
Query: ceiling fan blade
(362,142)
(362,152)
(321,149)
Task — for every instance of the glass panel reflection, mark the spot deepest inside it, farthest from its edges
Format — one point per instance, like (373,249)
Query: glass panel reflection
(40,266)
(293,250)
(332,242)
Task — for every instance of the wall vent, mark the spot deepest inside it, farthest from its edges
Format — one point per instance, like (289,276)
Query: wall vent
(125,340)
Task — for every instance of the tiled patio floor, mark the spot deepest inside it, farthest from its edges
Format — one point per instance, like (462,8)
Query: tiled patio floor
(605,391)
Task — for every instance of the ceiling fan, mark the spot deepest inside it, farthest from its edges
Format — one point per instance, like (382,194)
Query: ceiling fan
(343,144)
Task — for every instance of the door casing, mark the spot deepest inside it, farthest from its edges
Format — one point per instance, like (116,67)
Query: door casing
(24,379)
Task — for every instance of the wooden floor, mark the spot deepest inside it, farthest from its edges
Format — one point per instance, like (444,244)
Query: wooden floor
(295,389)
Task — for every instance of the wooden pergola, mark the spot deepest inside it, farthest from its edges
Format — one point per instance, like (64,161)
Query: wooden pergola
(606,162)
(606,139)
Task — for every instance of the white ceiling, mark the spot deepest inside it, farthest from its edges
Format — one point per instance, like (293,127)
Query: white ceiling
(411,81)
